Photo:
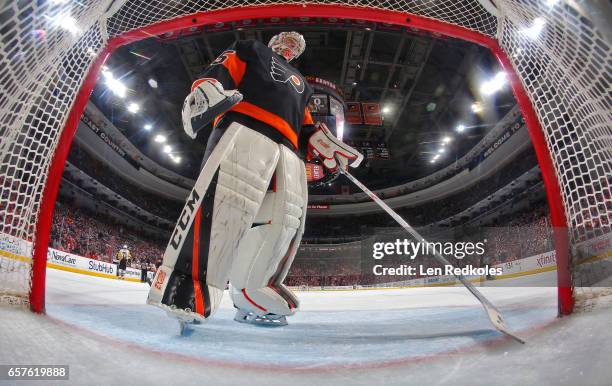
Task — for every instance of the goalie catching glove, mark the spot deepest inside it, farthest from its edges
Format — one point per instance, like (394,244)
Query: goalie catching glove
(332,152)
(206,101)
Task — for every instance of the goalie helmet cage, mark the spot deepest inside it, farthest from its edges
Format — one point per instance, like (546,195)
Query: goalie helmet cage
(556,55)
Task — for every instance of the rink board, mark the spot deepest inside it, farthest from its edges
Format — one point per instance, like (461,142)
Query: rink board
(19,250)
(598,248)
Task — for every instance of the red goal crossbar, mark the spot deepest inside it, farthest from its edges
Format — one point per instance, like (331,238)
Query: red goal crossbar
(553,192)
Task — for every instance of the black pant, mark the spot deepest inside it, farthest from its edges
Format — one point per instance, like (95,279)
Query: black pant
(143,275)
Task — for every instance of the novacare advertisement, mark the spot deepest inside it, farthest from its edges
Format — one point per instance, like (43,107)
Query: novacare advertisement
(75,263)
(18,249)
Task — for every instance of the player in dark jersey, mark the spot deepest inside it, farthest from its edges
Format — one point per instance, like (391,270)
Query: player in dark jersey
(244,218)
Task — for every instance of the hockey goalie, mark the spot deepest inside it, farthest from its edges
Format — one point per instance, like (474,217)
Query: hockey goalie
(244,219)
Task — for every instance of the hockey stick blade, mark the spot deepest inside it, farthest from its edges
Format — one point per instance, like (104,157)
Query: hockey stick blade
(493,313)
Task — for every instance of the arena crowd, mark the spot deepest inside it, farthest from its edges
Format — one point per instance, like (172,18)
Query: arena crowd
(523,234)
(79,232)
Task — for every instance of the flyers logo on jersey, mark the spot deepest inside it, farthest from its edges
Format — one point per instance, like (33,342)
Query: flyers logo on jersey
(225,55)
(159,281)
(282,74)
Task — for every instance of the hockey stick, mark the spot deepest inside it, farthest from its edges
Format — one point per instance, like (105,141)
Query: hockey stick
(493,313)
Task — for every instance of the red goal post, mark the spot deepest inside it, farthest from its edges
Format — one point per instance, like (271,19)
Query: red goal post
(48,82)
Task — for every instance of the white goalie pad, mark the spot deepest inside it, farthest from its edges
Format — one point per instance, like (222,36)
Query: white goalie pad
(244,176)
(218,213)
(267,251)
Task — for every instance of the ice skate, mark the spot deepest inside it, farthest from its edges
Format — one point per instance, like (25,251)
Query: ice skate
(267,320)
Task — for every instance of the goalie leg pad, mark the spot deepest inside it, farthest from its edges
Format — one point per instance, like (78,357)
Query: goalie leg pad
(267,251)
(218,212)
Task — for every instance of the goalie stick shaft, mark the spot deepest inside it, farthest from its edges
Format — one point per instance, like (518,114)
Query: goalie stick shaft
(493,313)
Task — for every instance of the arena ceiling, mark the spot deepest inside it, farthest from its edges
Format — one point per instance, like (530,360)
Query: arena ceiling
(430,87)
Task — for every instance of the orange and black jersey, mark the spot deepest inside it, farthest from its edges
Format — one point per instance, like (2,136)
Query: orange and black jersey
(275,93)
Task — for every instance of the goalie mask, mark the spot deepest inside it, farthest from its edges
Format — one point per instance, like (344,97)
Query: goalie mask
(289,45)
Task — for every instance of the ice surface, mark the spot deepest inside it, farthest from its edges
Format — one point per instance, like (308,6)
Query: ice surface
(441,336)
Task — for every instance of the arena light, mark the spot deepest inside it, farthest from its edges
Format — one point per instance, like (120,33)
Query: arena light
(476,107)
(152,82)
(446,140)
(159,138)
(66,22)
(386,110)
(494,85)
(148,127)
(535,30)
(176,159)
(167,149)
(460,128)
(340,130)
(114,85)
(441,150)
(133,107)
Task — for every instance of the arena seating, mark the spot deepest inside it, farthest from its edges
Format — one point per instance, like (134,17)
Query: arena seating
(76,231)
(79,232)
(154,204)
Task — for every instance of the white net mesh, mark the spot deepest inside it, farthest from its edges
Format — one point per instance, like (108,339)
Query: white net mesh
(566,71)
(469,14)
(46,50)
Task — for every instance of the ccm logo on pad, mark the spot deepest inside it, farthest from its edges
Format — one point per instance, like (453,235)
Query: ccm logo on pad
(181,226)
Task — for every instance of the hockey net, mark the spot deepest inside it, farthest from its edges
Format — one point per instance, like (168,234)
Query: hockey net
(558,55)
